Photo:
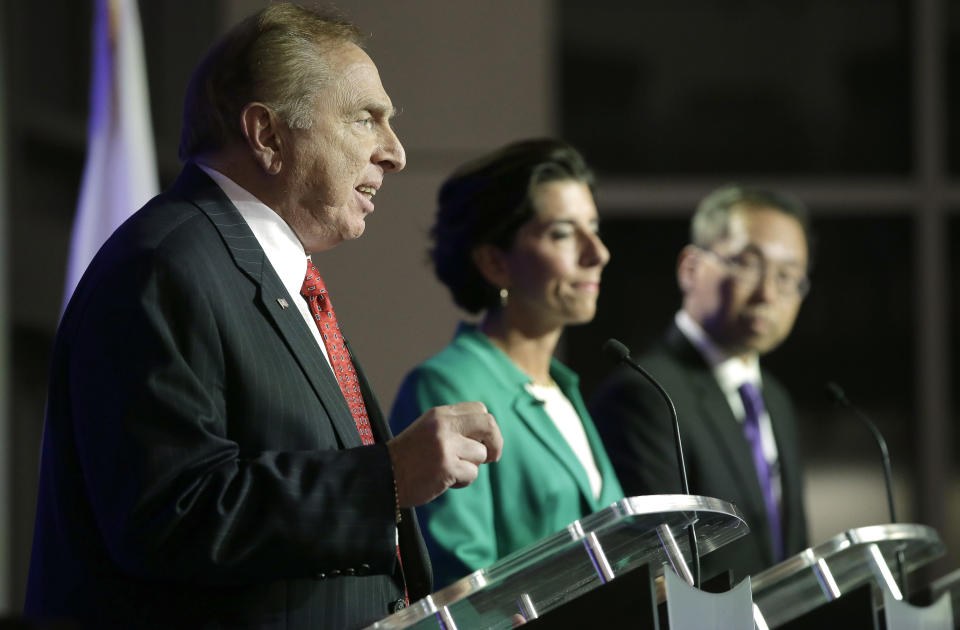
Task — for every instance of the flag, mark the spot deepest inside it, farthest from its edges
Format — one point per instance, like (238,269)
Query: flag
(120,173)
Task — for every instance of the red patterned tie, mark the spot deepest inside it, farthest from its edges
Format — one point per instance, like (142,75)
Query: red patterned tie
(322,310)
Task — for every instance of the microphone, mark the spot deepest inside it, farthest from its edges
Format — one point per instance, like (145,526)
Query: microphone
(619,352)
(616,350)
(837,394)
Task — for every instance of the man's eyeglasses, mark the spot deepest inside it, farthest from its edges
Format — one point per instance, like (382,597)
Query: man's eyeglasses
(750,268)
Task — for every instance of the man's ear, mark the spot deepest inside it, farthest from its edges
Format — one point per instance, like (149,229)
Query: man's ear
(491,262)
(688,266)
(261,129)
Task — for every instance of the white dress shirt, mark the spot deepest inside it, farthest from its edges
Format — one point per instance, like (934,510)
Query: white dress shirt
(279,243)
(567,420)
(730,373)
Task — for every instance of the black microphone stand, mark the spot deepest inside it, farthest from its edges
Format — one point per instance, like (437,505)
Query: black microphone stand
(837,394)
(619,351)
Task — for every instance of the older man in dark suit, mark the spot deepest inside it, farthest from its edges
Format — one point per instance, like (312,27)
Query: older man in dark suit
(743,279)
(213,455)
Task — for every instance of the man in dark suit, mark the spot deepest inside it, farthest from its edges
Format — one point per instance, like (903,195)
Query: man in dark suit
(743,279)
(202,465)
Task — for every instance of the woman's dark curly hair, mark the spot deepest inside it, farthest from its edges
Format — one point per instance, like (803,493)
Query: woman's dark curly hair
(485,202)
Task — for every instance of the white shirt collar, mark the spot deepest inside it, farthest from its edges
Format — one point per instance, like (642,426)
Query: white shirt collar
(279,243)
(731,372)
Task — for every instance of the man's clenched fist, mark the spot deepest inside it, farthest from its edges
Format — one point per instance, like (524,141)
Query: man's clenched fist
(443,449)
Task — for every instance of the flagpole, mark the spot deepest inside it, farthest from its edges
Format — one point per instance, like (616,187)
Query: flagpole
(6,451)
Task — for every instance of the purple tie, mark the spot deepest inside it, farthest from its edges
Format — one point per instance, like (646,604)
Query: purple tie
(754,408)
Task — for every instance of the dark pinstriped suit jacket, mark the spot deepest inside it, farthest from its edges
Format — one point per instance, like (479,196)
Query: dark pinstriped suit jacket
(200,466)
(635,425)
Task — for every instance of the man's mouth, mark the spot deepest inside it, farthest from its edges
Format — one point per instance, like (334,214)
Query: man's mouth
(367,191)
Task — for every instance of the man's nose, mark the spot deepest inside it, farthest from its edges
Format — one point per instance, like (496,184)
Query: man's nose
(766,287)
(390,153)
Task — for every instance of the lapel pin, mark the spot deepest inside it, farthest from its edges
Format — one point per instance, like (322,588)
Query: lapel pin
(282,302)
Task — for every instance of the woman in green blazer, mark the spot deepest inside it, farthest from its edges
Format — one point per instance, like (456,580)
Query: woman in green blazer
(515,238)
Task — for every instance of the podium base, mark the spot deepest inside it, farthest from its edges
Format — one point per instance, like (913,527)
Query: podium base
(628,601)
(853,611)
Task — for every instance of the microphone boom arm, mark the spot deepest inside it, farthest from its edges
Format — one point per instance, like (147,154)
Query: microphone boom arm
(621,353)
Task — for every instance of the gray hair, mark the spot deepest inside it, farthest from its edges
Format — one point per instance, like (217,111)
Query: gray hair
(277,57)
(711,221)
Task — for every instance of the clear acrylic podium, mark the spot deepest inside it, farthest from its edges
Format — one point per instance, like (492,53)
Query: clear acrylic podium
(636,531)
(846,562)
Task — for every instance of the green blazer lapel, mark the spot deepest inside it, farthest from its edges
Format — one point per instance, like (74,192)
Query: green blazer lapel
(607,475)
(513,381)
(194,184)
(610,488)
(531,412)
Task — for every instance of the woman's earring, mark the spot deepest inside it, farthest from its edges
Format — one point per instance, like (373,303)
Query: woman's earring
(504,297)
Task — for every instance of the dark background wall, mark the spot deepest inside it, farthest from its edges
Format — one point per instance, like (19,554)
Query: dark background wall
(846,104)
(850,106)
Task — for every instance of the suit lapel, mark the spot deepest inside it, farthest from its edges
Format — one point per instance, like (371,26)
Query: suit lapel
(303,346)
(531,412)
(418,577)
(609,485)
(784,429)
(194,185)
(524,404)
(729,436)
(720,427)
(607,475)
(381,430)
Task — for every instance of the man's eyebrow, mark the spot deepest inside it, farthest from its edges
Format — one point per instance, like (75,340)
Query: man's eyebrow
(382,108)
(754,248)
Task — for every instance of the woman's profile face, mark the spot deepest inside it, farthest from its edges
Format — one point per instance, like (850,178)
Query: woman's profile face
(555,263)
